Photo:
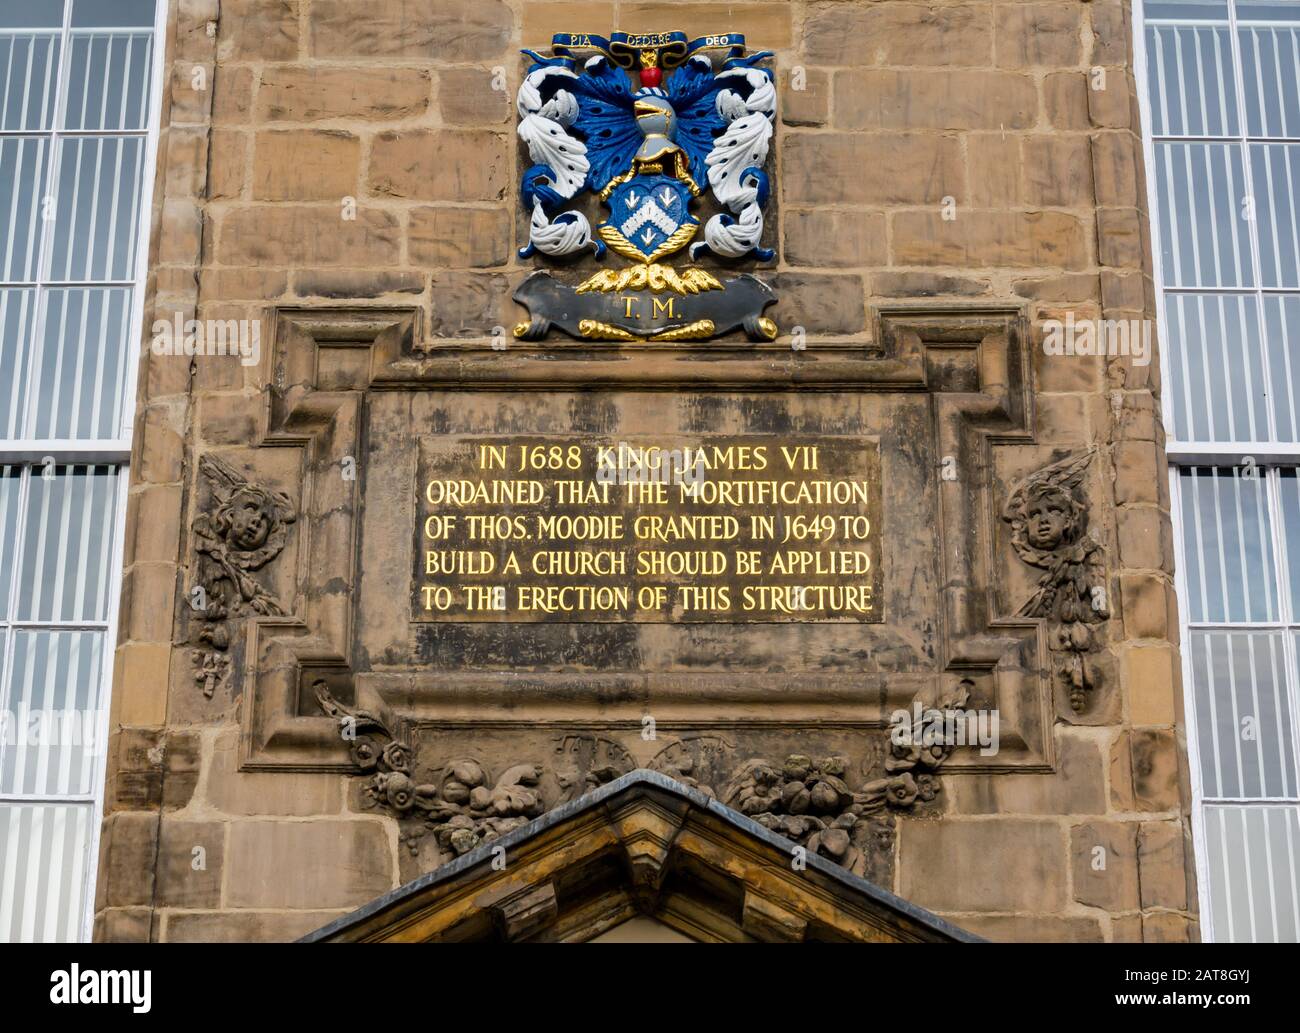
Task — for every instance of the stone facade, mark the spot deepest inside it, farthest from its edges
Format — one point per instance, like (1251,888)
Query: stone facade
(949,176)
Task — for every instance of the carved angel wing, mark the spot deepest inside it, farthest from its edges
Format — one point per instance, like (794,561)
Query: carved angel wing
(222,475)
(1067,474)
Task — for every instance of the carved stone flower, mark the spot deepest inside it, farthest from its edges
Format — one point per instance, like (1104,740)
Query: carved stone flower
(934,754)
(919,752)
(901,791)
(365,754)
(903,756)
(927,787)
(397,757)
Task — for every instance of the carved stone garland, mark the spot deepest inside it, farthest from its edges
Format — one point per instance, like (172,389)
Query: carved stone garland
(806,800)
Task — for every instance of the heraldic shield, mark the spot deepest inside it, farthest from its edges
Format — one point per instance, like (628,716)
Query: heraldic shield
(649,217)
(700,124)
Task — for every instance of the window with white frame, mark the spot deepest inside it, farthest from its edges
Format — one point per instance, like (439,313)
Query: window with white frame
(1221,111)
(79,81)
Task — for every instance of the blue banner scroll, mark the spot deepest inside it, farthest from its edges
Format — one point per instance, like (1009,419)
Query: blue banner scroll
(624,48)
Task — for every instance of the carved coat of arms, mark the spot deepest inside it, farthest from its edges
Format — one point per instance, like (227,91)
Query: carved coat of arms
(699,123)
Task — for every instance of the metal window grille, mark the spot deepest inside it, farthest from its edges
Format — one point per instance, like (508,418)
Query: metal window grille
(79,86)
(1220,84)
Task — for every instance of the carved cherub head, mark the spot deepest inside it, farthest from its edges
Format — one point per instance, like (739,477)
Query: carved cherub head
(1048,510)
(1052,516)
(249,521)
(246,519)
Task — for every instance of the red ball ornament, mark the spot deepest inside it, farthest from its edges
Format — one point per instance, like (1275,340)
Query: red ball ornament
(652,76)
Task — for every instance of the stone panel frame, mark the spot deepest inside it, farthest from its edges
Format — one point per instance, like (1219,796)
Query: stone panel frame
(313,405)
(973,362)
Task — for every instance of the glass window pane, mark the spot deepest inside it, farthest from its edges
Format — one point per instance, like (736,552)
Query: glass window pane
(8,727)
(1252,853)
(31,63)
(112,13)
(1227,546)
(1289,492)
(1204,224)
(24,161)
(43,867)
(1267,10)
(26,14)
(108,81)
(66,545)
(1282,345)
(1244,725)
(1200,9)
(1190,73)
(54,702)
(80,379)
(17,337)
(1217,384)
(10,485)
(98,211)
(1275,169)
(1270,63)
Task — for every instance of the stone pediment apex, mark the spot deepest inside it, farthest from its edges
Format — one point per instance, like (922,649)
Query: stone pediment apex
(646,846)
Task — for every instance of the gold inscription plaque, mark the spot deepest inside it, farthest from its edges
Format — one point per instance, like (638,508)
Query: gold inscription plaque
(718,529)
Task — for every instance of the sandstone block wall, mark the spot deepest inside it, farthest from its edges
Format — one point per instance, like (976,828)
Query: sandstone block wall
(283,116)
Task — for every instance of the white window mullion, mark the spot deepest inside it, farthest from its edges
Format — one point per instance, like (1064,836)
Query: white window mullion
(15,568)
(1284,687)
(1279,703)
(1293,416)
(120,484)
